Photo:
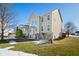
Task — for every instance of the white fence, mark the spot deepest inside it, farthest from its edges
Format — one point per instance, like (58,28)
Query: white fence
(8,38)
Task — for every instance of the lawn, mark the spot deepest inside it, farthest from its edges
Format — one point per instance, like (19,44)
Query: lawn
(4,45)
(65,47)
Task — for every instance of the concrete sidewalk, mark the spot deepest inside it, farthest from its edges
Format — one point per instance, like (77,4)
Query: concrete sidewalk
(6,52)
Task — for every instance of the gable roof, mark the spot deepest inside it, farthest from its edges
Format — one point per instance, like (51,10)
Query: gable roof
(34,14)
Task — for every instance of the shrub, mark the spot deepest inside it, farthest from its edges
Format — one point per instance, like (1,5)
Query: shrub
(3,41)
(62,36)
(19,33)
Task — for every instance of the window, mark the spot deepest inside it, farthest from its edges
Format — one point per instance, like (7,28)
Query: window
(42,28)
(42,19)
(48,28)
(48,17)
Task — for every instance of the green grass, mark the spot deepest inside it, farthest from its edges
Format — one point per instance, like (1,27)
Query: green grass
(65,47)
(4,45)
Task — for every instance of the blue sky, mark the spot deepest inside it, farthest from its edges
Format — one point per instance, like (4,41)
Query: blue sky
(69,12)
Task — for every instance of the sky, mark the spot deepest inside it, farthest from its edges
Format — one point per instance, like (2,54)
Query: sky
(69,12)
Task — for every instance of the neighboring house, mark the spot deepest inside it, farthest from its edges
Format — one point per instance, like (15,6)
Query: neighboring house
(77,33)
(48,25)
(29,31)
(25,29)
(32,32)
(11,34)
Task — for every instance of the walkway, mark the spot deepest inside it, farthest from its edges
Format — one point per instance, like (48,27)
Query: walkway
(7,52)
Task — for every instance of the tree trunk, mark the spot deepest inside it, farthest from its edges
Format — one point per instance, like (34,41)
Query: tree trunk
(68,34)
(2,30)
(2,34)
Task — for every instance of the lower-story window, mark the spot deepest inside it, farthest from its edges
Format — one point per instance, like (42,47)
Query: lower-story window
(42,28)
(48,28)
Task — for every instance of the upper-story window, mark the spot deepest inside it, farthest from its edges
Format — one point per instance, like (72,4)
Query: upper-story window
(48,17)
(42,19)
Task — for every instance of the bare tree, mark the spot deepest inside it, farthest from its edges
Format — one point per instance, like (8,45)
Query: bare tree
(69,28)
(6,19)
